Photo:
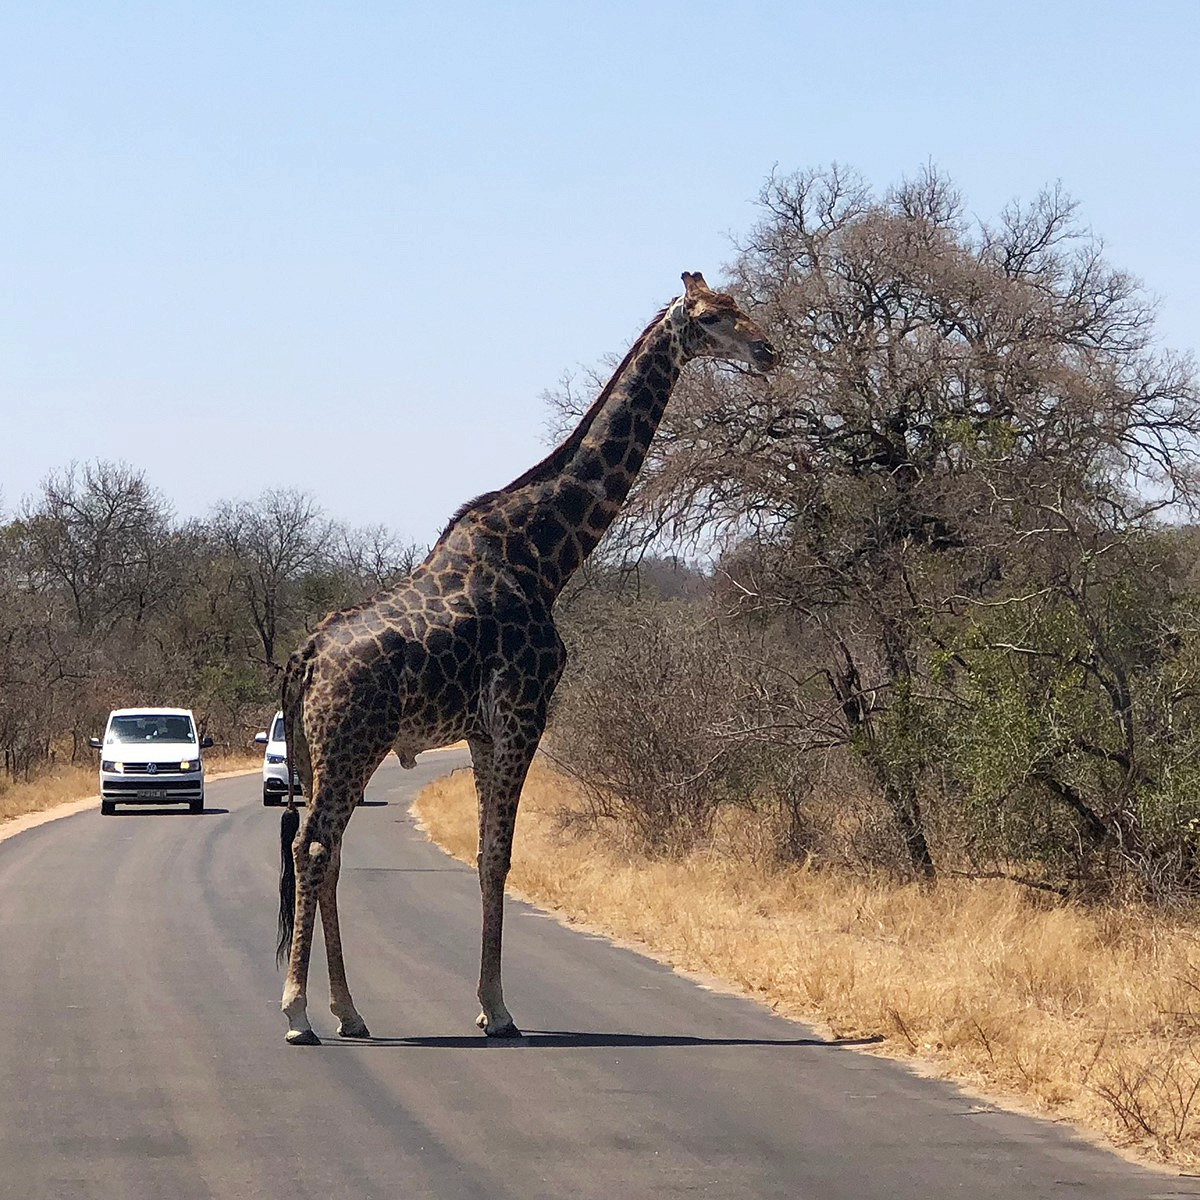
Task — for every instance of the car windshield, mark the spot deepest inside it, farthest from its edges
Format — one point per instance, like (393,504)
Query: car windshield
(277,730)
(151,728)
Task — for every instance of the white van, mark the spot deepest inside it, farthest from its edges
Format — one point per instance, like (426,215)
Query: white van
(151,756)
(274,769)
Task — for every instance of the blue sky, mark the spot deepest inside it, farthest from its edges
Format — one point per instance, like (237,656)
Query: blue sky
(345,247)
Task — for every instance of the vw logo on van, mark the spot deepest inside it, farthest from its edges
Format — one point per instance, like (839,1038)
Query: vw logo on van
(152,768)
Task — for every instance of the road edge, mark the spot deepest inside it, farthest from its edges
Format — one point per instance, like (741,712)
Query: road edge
(70,808)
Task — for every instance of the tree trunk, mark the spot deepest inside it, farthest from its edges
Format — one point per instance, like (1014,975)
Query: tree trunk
(905,804)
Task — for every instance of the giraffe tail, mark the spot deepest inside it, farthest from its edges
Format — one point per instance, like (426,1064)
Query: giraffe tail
(292,703)
(289,825)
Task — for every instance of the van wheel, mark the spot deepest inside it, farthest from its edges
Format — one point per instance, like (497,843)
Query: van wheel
(270,798)
(107,807)
(196,806)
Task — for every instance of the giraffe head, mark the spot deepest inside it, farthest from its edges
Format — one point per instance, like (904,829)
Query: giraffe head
(713,326)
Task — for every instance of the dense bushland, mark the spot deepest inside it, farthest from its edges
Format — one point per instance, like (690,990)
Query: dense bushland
(107,600)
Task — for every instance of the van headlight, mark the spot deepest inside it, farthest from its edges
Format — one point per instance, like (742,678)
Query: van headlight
(117,768)
(189,764)
(276,759)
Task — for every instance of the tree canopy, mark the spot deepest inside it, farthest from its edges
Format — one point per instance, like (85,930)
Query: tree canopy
(957,513)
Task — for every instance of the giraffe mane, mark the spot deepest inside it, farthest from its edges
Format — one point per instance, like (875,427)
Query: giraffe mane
(554,462)
(462,511)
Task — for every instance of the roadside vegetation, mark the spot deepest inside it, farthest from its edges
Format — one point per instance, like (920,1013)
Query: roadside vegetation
(47,790)
(947,619)
(1083,1013)
(107,600)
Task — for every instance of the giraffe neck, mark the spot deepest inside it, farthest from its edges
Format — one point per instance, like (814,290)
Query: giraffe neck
(576,503)
(549,519)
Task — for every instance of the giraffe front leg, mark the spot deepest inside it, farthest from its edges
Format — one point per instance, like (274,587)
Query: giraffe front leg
(499,794)
(495,1019)
(481,762)
(341,1004)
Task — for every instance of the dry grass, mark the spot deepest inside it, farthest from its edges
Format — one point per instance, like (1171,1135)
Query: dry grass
(60,785)
(1088,1015)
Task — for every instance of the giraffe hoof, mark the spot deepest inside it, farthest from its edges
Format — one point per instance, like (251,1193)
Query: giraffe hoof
(354,1029)
(504,1031)
(302,1037)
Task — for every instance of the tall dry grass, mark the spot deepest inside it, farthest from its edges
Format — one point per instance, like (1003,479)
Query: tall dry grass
(56,786)
(1088,1015)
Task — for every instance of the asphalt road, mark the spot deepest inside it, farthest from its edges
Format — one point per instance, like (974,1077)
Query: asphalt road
(142,1051)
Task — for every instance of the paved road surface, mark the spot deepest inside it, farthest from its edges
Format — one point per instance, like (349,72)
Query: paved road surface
(142,1053)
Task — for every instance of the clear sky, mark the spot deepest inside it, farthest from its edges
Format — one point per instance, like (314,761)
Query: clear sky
(346,246)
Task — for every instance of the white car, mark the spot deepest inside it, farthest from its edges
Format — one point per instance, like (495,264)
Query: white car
(151,756)
(274,770)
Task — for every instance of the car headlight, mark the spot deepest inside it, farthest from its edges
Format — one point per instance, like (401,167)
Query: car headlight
(276,759)
(117,768)
(189,764)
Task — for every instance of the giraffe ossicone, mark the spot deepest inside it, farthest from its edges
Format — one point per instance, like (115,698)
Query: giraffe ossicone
(466,648)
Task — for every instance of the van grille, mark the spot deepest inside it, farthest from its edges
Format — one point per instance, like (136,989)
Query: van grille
(147,787)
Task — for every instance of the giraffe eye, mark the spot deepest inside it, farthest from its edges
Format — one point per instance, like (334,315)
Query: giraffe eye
(709,318)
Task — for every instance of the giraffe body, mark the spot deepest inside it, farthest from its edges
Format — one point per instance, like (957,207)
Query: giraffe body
(466,648)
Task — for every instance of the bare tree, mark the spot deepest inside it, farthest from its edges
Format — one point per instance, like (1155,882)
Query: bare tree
(374,558)
(98,531)
(271,543)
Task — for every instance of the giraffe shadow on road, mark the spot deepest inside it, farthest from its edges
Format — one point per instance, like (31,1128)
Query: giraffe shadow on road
(559,1039)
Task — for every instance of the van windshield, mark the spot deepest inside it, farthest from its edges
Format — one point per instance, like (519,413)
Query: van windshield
(277,730)
(151,728)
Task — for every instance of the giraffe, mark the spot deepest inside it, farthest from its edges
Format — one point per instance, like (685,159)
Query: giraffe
(466,647)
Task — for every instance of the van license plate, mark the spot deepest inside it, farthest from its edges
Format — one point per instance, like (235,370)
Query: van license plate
(154,794)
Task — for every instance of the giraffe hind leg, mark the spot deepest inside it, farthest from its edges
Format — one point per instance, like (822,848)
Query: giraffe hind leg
(341,1004)
(309,868)
(313,851)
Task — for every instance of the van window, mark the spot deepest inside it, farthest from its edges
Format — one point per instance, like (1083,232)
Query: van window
(277,730)
(151,728)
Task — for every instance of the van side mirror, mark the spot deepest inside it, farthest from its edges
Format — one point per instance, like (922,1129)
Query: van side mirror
(261,737)
(95,743)
(205,742)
